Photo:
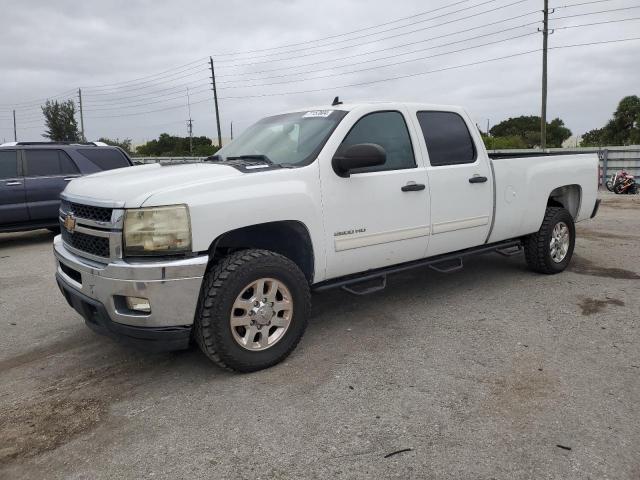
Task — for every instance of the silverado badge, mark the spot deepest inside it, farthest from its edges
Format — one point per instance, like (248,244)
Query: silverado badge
(70,223)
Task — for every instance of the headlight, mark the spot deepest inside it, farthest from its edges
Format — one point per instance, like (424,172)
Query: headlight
(157,231)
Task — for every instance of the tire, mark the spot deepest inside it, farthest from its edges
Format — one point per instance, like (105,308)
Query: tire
(537,246)
(609,185)
(222,289)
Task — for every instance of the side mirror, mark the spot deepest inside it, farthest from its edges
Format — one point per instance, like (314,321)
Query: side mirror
(357,156)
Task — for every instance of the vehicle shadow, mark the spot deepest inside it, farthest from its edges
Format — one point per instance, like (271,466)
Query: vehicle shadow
(33,237)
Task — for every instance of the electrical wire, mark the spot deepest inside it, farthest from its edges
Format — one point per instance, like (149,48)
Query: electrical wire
(387,79)
(271,60)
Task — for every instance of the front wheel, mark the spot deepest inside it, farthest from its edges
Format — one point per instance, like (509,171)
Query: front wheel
(550,249)
(252,310)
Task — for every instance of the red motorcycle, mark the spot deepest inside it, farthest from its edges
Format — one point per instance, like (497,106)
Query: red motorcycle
(622,182)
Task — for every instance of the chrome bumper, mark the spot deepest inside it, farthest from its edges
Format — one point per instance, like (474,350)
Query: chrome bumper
(172,286)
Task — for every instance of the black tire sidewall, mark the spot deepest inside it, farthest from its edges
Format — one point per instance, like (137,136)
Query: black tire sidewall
(281,269)
(561,215)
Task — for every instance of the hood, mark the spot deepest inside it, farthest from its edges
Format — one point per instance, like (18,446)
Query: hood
(133,185)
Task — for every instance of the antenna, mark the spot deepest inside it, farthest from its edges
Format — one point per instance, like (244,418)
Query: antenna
(336,101)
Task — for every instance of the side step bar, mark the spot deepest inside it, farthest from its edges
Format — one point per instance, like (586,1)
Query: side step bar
(447,263)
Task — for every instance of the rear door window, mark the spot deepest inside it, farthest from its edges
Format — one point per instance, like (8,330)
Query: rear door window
(105,158)
(42,163)
(447,137)
(8,164)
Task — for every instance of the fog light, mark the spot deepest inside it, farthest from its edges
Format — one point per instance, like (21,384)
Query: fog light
(139,304)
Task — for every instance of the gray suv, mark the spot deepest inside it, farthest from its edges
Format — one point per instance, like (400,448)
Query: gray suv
(32,175)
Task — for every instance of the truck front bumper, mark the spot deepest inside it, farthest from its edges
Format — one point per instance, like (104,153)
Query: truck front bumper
(98,293)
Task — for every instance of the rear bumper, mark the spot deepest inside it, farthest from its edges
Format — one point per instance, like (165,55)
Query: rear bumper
(595,208)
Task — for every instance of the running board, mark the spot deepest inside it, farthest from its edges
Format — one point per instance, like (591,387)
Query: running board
(447,263)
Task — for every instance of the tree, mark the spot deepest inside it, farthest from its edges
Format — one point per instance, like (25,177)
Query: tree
(503,143)
(60,121)
(622,129)
(124,144)
(527,128)
(171,146)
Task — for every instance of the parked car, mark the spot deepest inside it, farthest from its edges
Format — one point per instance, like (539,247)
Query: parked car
(227,252)
(32,175)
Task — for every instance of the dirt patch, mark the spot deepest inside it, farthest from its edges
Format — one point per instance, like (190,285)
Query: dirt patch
(41,353)
(597,235)
(75,402)
(590,306)
(586,267)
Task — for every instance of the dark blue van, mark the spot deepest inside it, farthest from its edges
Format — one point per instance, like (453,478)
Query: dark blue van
(32,175)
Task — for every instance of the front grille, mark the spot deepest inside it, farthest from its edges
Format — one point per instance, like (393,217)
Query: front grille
(98,214)
(98,246)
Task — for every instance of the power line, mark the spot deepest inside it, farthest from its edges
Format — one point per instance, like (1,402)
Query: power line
(386,57)
(341,34)
(597,23)
(387,79)
(379,39)
(317,62)
(142,87)
(147,76)
(390,64)
(175,88)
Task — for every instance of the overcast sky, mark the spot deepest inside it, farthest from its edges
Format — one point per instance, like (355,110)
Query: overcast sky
(135,59)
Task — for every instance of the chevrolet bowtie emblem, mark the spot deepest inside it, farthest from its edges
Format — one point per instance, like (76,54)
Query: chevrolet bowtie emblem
(70,223)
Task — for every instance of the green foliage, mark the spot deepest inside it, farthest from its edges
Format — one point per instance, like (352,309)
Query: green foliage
(527,129)
(622,129)
(60,121)
(171,146)
(503,143)
(125,144)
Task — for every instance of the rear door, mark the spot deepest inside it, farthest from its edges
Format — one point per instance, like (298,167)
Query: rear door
(460,181)
(47,172)
(13,206)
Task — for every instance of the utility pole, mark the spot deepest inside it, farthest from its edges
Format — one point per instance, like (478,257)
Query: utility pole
(543,115)
(190,124)
(15,134)
(231,130)
(487,127)
(215,100)
(84,139)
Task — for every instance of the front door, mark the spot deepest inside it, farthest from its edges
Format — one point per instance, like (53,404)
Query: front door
(13,206)
(47,173)
(460,179)
(371,218)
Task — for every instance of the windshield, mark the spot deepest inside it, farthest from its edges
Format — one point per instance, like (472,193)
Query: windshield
(290,139)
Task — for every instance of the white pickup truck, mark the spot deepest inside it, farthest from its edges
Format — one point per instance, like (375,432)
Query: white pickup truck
(226,252)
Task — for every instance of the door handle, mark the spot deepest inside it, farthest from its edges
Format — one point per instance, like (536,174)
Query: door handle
(477,179)
(413,187)
(13,184)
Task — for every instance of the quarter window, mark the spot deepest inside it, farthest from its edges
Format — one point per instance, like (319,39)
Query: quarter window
(389,130)
(447,137)
(8,164)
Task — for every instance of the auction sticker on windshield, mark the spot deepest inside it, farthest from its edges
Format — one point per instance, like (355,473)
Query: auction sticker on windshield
(317,114)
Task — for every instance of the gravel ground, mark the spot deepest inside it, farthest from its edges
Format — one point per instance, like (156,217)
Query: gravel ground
(492,372)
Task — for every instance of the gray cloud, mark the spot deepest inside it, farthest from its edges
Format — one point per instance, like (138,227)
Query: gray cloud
(48,48)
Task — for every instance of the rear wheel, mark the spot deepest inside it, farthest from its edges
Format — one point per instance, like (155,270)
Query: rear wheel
(550,249)
(252,310)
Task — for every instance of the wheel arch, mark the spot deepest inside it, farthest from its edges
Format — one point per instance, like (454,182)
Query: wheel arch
(568,197)
(289,238)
